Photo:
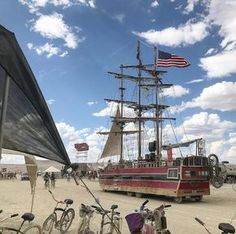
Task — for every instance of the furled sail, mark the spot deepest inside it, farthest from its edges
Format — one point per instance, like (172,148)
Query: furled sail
(112,146)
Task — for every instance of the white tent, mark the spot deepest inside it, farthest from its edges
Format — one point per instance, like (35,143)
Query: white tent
(52,169)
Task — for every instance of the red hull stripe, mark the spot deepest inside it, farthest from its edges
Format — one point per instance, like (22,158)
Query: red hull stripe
(141,183)
(148,170)
(157,184)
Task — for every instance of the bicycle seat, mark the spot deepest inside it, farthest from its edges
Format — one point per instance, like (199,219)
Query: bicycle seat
(113,207)
(226,227)
(68,201)
(27,216)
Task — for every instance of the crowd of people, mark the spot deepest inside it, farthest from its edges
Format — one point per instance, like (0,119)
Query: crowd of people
(49,180)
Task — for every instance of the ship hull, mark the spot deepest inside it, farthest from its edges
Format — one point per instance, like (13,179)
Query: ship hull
(157,180)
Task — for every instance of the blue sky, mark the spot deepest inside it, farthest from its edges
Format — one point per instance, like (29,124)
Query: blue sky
(71,44)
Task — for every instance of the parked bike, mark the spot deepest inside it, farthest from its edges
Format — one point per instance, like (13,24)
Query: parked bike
(146,221)
(30,229)
(226,228)
(111,220)
(61,218)
(85,213)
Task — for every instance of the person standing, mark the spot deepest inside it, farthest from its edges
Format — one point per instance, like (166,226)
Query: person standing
(53,180)
(46,178)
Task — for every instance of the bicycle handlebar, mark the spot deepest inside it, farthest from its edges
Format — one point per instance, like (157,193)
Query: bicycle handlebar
(199,221)
(13,215)
(55,198)
(142,206)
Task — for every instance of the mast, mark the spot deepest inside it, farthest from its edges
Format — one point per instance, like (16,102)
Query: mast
(157,112)
(122,89)
(139,103)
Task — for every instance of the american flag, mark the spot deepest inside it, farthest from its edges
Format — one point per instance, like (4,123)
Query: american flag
(170,60)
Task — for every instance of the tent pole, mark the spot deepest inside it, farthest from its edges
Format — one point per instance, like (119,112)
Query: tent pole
(32,200)
(4,109)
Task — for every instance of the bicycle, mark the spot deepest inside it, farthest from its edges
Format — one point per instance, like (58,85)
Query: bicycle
(60,222)
(113,223)
(85,213)
(145,221)
(31,229)
(226,228)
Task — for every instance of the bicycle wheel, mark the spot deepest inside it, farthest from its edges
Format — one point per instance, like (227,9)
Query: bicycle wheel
(66,220)
(117,223)
(8,230)
(48,224)
(33,229)
(234,186)
(111,228)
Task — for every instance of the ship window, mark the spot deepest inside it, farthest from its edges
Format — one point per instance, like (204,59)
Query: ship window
(172,173)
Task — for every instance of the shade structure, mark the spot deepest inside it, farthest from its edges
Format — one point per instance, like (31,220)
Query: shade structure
(52,169)
(28,126)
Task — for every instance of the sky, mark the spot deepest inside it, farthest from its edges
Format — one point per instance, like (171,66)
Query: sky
(72,44)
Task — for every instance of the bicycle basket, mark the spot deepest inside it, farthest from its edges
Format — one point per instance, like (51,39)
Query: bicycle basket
(135,222)
(83,211)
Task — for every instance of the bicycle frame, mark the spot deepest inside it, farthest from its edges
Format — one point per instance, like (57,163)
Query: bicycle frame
(86,213)
(26,217)
(114,216)
(226,228)
(146,221)
(57,221)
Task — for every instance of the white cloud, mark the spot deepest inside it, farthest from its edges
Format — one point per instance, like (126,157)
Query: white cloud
(175,91)
(54,27)
(109,110)
(50,101)
(70,136)
(219,65)
(220,96)
(35,5)
(195,81)
(222,14)
(63,54)
(119,17)
(203,124)
(187,34)
(190,6)
(48,49)
(155,4)
(91,103)
(210,51)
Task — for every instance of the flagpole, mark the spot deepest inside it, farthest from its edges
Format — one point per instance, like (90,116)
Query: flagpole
(4,109)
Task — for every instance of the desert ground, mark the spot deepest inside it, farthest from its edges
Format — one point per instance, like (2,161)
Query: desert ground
(220,206)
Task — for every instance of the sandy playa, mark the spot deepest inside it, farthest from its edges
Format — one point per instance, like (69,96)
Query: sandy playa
(220,206)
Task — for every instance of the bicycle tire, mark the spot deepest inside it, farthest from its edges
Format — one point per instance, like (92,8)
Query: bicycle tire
(108,227)
(8,230)
(83,227)
(33,229)
(234,186)
(66,219)
(48,224)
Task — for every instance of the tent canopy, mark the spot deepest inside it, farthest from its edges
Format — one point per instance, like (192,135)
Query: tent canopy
(28,127)
(52,169)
